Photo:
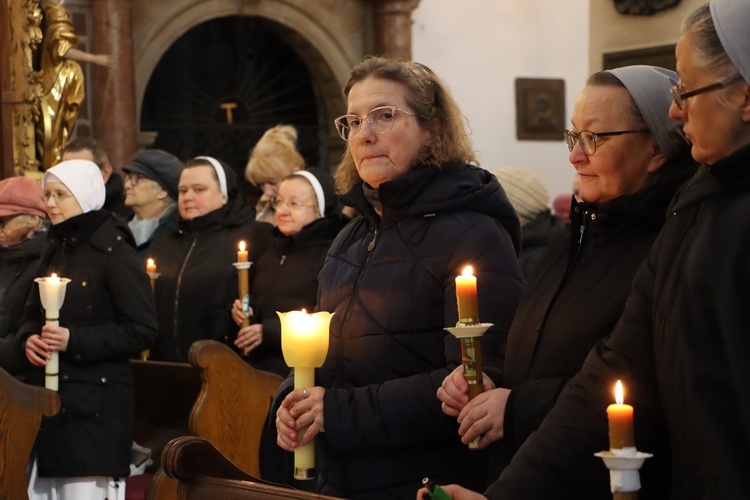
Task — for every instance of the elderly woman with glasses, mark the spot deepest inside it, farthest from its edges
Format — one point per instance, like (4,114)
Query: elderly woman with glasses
(630,158)
(107,317)
(426,212)
(681,345)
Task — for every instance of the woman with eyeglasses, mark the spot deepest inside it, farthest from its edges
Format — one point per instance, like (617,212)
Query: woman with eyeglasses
(194,257)
(273,158)
(680,346)
(630,158)
(107,317)
(426,212)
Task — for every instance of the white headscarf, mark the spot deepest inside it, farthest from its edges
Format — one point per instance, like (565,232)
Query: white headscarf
(731,18)
(83,178)
(317,187)
(219,173)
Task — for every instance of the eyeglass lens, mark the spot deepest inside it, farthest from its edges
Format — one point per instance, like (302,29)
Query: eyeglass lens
(380,120)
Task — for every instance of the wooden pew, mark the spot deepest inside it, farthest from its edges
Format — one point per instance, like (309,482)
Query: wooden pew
(229,411)
(21,409)
(203,473)
(164,396)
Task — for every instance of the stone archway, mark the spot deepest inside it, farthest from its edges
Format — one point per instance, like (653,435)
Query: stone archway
(321,32)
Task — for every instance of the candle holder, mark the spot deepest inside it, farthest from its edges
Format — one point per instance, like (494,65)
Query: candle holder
(304,343)
(52,295)
(471,358)
(243,280)
(623,465)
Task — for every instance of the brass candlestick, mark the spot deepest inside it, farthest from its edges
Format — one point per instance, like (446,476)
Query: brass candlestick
(471,358)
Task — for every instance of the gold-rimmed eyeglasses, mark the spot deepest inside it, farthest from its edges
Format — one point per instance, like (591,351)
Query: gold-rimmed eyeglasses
(587,138)
(680,97)
(380,119)
(58,196)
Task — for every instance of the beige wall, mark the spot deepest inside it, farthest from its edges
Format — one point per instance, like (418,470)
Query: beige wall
(611,31)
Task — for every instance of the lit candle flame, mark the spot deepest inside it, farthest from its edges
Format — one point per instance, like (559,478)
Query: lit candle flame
(242,246)
(619,396)
(53,279)
(150,262)
(468,271)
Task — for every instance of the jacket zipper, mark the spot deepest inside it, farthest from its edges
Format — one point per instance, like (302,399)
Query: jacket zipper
(177,291)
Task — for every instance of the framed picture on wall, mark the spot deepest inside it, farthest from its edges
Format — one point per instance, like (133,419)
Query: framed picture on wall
(663,56)
(540,109)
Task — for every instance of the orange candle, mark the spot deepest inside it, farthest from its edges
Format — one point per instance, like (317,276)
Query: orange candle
(242,253)
(150,266)
(466,296)
(620,422)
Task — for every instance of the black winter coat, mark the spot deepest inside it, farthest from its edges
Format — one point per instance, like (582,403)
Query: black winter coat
(536,234)
(574,299)
(109,310)
(18,268)
(715,301)
(391,283)
(198,283)
(644,352)
(286,279)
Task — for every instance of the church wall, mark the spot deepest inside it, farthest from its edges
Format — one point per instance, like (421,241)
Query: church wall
(611,31)
(480,47)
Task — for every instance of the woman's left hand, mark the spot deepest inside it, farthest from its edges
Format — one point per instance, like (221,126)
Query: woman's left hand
(56,337)
(302,408)
(249,337)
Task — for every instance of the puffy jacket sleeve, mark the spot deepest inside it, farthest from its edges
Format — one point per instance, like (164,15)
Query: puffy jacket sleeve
(405,411)
(558,460)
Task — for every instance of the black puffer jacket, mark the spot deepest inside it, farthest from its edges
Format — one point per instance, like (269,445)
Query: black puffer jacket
(198,283)
(391,284)
(286,279)
(591,269)
(536,234)
(18,268)
(644,351)
(109,310)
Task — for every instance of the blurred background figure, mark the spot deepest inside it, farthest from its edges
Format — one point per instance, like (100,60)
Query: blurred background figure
(530,199)
(194,256)
(86,148)
(285,277)
(22,229)
(151,182)
(274,157)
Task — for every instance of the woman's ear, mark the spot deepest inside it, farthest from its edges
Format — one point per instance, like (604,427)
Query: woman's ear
(745,106)
(658,159)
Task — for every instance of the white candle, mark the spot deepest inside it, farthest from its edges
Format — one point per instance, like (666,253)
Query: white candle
(304,343)
(52,295)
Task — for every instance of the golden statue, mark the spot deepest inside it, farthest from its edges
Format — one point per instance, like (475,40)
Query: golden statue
(61,81)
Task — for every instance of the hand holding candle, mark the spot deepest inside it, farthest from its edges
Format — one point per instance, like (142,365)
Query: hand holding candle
(620,421)
(304,343)
(52,295)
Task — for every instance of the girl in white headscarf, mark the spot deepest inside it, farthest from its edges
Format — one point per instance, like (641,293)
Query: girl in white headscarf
(107,317)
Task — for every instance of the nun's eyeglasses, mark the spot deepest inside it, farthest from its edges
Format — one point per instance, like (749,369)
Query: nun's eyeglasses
(58,196)
(680,98)
(587,139)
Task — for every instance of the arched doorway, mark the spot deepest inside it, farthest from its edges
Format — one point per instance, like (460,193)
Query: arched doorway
(222,84)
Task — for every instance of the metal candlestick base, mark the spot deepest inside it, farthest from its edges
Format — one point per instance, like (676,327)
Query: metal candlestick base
(623,465)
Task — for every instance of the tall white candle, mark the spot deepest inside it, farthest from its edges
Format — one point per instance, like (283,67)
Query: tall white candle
(52,295)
